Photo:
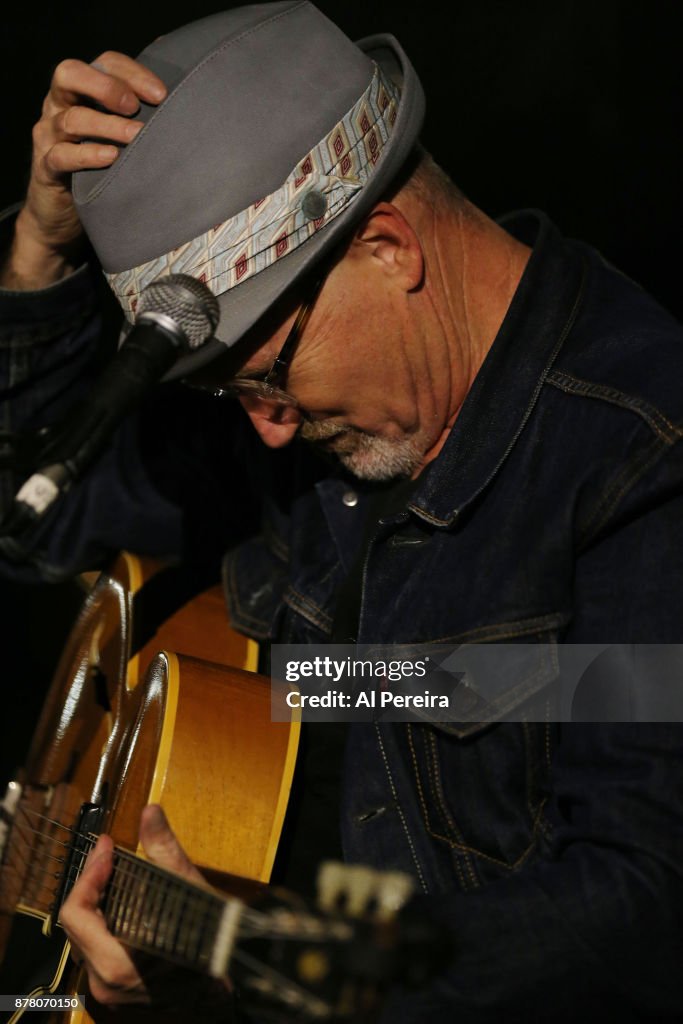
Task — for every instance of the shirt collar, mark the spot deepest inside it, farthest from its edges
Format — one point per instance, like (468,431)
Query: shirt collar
(509,381)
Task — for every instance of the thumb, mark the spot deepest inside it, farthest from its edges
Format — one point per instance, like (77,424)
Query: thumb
(162,847)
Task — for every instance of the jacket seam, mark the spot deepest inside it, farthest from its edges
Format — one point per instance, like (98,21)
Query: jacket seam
(656,420)
(533,402)
(434,768)
(462,847)
(507,630)
(399,810)
(423,802)
(624,483)
(311,611)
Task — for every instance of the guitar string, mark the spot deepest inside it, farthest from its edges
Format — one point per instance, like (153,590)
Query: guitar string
(27,843)
(139,867)
(87,838)
(206,903)
(124,856)
(254,921)
(128,867)
(28,883)
(38,873)
(37,884)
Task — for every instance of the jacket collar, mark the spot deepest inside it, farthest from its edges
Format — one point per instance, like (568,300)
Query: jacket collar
(508,384)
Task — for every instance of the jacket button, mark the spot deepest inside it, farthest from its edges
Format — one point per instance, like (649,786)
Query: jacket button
(350,499)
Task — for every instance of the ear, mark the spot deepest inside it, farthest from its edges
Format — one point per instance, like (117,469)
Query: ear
(388,239)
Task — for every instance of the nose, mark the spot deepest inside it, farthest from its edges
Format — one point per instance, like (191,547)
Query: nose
(276,425)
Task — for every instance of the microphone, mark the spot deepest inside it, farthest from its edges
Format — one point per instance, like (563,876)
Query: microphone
(175,315)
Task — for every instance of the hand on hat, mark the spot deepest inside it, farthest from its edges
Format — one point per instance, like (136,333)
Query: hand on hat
(48,228)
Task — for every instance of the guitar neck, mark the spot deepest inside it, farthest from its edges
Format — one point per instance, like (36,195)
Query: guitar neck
(162,914)
(283,954)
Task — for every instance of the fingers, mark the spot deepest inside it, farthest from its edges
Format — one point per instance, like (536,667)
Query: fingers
(112,975)
(76,122)
(65,157)
(86,103)
(115,976)
(114,80)
(83,122)
(80,914)
(162,847)
(143,82)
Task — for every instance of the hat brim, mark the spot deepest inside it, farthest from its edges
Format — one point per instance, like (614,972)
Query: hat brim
(245,304)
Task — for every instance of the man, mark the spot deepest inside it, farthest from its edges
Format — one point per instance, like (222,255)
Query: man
(524,394)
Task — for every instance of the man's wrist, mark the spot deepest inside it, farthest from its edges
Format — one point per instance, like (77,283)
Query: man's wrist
(32,264)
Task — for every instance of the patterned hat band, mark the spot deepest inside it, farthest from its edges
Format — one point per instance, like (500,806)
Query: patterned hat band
(319,188)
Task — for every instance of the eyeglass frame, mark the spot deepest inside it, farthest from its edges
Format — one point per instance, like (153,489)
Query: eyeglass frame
(270,385)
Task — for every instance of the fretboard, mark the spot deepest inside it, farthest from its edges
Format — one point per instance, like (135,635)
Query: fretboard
(160,913)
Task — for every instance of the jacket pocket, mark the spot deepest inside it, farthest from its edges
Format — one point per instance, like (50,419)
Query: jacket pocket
(482,798)
(483,778)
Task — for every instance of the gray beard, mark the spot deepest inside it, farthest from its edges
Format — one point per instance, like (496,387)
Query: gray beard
(366,456)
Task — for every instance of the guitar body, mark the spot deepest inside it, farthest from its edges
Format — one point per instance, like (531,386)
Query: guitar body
(144,712)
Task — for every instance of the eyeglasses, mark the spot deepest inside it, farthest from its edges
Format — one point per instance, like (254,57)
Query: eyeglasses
(269,387)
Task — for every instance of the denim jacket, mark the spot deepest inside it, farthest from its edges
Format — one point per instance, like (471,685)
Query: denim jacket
(553,853)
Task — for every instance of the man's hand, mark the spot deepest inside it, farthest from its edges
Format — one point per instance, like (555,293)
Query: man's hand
(115,975)
(48,229)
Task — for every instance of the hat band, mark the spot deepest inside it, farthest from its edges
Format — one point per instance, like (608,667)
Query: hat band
(319,188)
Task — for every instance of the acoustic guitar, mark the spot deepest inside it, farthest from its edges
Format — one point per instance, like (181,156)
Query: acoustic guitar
(156,700)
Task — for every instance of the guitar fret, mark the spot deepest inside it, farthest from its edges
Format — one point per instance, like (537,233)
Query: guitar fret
(112,898)
(202,909)
(191,927)
(119,885)
(129,907)
(140,921)
(206,915)
(155,911)
(138,924)
(160,929)
(173,918)
(160,913)
(183,930)
(124,885)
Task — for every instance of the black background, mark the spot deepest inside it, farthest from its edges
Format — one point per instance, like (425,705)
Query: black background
(573,107)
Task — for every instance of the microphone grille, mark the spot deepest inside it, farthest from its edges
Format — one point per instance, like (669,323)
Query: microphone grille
(188,302)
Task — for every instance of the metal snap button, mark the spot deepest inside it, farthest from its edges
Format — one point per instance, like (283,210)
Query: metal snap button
(313,204)
(350,499)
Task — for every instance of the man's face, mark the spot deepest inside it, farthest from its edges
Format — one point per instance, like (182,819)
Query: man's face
(368,378)
(355,395)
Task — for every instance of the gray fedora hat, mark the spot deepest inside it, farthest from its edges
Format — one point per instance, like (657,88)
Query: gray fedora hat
(277,135)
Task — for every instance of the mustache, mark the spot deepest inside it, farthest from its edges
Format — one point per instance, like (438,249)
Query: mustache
(331,436)
(323,430)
